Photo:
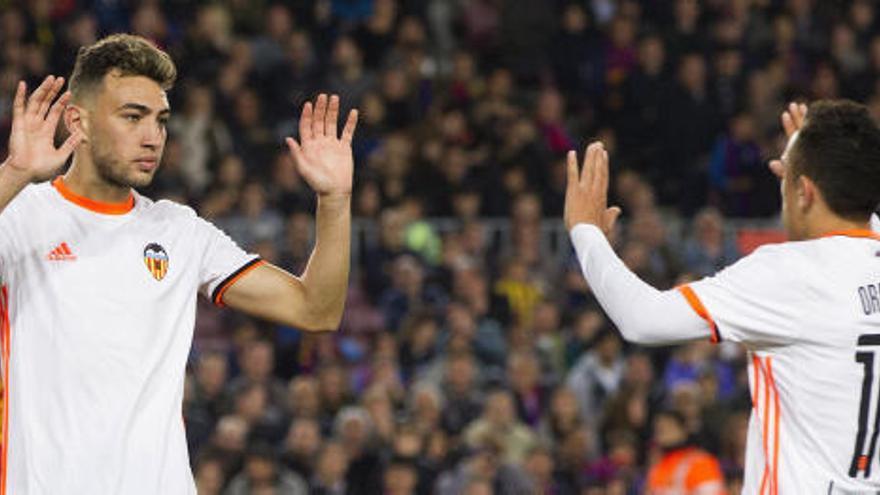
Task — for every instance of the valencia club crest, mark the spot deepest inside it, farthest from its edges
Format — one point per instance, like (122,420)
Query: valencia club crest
(156,260)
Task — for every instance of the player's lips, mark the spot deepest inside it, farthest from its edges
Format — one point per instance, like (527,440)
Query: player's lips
(147,164)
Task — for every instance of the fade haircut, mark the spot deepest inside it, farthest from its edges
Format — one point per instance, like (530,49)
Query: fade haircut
(839,149)
(128,54)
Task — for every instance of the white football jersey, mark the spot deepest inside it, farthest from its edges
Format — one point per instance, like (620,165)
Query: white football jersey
(809,313)
(98,308)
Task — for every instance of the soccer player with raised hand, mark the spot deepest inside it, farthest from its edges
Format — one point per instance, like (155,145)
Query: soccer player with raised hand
(33,156)
(808,310)
(98,283)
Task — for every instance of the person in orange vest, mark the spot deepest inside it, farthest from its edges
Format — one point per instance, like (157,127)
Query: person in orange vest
(681,468)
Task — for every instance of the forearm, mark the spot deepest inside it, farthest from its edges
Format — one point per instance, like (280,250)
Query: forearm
(11,183)
(642,313)
(325,279)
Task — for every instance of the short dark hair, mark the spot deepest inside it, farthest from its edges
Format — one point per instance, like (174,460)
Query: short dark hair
(839,149)
(129,54)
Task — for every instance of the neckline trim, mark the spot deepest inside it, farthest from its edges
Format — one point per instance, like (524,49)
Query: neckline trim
(859,233)
(91,204)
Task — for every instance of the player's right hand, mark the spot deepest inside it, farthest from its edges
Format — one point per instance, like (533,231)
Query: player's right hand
(32,151)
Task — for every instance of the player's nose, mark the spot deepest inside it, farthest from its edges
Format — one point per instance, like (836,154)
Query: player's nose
(152,137)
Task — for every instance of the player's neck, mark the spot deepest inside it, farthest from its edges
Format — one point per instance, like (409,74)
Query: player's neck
(827,224)
(83,180)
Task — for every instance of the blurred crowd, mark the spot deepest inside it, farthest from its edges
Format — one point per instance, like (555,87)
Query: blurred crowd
(469,362)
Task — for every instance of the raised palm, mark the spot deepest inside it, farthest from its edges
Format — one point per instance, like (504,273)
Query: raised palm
(793,120)
(32,148)
(324,160)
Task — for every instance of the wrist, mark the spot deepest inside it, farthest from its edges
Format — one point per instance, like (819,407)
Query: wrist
(12,172)
(334,197)
(334,201)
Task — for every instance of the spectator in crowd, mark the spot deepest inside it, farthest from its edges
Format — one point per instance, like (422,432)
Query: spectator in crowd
(262,472)
(331,466)
(463,392)
(301,446)
(681,467)
(709,248)
(597,374)
(499,423)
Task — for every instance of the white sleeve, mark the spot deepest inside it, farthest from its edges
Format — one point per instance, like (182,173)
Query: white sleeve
(223,261)
(875,222)
(753,301)
(642,313)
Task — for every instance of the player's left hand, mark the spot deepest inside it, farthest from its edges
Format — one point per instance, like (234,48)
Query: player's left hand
(586,195)
(793,119)
(322,157)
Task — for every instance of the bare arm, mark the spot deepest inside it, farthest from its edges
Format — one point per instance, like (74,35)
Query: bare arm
(11,183)
(32,153)
(315,300)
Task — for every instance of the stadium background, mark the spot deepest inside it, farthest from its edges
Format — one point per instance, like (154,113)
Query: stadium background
(472,354)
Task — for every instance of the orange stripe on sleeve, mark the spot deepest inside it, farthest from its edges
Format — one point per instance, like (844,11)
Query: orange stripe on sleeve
(232,279)
(697,305)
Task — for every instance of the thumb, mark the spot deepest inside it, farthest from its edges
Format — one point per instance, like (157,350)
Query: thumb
(296,152)
(70,144)
(611,215)
(777,167)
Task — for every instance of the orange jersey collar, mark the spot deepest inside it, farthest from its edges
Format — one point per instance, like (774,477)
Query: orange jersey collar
(90,204)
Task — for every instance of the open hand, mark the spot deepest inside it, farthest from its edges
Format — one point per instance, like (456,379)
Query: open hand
(793,120)
(586,194)
(32,150)
(324,160)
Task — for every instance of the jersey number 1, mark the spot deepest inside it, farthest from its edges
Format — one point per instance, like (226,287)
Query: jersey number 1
(861,460)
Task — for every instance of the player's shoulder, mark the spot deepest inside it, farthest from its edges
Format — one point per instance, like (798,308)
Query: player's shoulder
(799,259)
(791,250)
(165,208)
(178,214)
(831,245)
(769,265)
(32,195)
(35,190)
(774,254)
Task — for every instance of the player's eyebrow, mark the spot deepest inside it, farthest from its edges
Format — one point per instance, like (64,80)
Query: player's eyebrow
(142,108)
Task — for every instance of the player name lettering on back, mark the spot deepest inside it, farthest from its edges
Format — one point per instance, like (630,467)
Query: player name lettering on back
(870,298)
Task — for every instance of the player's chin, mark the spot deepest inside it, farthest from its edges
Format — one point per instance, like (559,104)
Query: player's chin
(141,178)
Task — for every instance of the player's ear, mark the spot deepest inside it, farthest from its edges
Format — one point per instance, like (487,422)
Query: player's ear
(807,192)
(75,119)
